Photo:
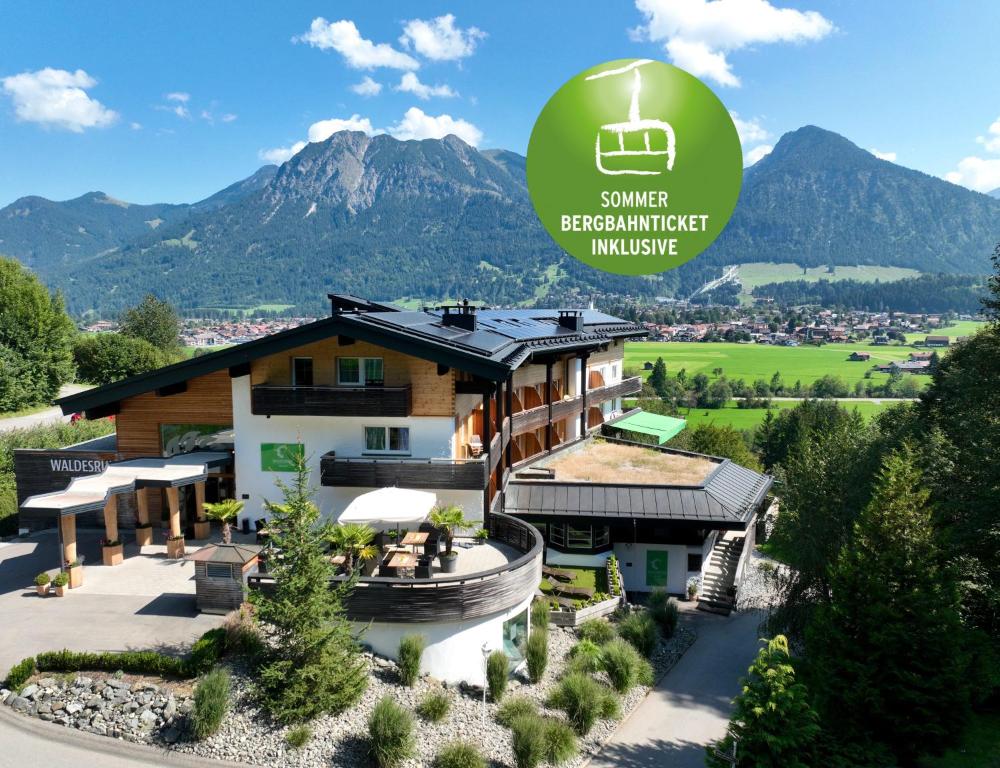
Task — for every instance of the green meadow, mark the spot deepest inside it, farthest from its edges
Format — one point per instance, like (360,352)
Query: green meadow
(762,273)
(748,418)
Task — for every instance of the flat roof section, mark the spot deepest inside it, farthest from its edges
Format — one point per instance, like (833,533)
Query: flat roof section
(600,461)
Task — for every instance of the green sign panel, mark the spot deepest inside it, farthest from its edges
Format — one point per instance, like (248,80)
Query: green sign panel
(656,568)
(280,457)
(634,166)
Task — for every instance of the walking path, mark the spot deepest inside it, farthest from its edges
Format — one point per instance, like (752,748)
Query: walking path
(48,416)
(690,707)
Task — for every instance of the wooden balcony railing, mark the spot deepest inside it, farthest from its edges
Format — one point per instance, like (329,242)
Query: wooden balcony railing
(532,419)
(383,472)
(271,400)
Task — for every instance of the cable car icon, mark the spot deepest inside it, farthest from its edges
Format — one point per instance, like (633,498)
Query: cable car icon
(642,155)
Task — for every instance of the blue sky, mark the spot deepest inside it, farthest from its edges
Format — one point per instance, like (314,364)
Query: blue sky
(172,101)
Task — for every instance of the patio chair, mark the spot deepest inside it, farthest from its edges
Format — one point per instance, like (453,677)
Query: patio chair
(425,568)
(368,567)
(476,446)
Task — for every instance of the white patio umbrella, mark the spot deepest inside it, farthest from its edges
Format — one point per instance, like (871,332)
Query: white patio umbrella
(388,507)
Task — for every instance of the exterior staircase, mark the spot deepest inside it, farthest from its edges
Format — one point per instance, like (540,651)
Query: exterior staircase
(717,594)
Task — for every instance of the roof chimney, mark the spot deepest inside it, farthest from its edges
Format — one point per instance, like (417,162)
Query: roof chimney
(571,319)
(461,315)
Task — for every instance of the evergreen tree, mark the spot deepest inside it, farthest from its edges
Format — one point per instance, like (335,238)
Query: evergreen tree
(313,665)
(885,652)
(35,340)
(773,724)
(658,377)
(155,321)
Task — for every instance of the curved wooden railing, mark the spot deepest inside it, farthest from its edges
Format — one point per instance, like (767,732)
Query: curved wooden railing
(465,596)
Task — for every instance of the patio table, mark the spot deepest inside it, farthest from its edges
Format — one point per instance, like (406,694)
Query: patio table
(415,539)
(403,560)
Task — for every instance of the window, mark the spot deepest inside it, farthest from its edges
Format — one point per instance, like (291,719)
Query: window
(360,371)
(218,571)
(302,371)
(614,372)
(387,439)
(694,561)
(579,538)
(515,635)
(557,534)
(602,535)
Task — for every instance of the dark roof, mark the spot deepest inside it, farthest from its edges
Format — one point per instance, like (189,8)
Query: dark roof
(502,340)
(727,498)
(240,554)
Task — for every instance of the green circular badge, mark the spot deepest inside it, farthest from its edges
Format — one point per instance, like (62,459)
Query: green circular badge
(634,166)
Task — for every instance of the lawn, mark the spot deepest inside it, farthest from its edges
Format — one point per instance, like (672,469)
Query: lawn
(595,578)
(748,418)
(980,746)
(960,328)
(762,273)
(760,361)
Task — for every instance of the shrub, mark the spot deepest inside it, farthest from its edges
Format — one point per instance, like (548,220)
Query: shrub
(211,702)
(459,754)
(243,636)
(663,609)
(42,579)
(528,741)
(515,707)
(390,731)
(540,615)
(597,631)
(624,666)
(206,652)
(640,630)
(411,648)
(585,656)
(19,674)
(537,654)
(61,579)
(133,662)
(584,701)
(434,706)
(497,671)
(299,736)
(560,742)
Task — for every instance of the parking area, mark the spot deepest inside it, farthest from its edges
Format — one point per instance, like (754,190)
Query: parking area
(147,602)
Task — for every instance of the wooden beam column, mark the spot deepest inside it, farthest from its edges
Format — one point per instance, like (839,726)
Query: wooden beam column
(202,528)
(508,410)
(488,456)
(548,402)
(67,535)
(583,393)
(112,552)
(143,529)
(175,542)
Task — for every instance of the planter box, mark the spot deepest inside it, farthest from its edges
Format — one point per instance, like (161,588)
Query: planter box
(175,548)
(202,530)
(75,576)
(577,617)
(42,589)
(60,591)
(113,555)
(144,536)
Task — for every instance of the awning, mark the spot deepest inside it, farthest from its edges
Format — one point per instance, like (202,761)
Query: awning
(90,492)
(661,427)
(388,507)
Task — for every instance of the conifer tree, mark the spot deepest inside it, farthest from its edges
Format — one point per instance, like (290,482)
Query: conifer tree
(658,378)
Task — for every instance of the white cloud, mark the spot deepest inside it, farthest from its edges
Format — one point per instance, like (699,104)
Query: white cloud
(367,87)
(755,154)
(418,125)
(697,34)
(992,140)
(980,174)
(319,131)
(410,83)
(135,126)
(343,37)
(750,131)
(890,156)
(229,117)
(439,39)
(56,98)
(180,96)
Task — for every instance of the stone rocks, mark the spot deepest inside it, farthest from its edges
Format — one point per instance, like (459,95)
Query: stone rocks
(20,704)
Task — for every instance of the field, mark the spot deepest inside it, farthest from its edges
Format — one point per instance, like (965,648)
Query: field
(748,418)
(760,361)
(960,328)
(752,275)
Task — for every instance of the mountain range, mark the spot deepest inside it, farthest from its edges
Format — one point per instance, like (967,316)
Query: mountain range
(437,219)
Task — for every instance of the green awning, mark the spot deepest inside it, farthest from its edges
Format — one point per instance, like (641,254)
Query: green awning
(661,427)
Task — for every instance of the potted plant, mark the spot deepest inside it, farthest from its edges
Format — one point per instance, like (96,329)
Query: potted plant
(144,534)
(42,583)
(692,587)
(75,571)
(225,511)
(448,520)
(482,535)
(354,542)
(60,582)
(112,552)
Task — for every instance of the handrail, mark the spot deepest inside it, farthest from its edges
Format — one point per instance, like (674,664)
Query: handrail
(330,388)
(444,461)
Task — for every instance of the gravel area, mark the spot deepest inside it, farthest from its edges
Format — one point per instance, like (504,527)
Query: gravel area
(108,706)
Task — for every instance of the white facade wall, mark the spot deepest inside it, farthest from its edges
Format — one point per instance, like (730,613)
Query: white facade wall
(632,562)
(430,437)
(454,649)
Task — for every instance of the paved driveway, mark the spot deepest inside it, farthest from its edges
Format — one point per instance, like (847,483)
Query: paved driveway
(145,603)
(690,707)
(46,416)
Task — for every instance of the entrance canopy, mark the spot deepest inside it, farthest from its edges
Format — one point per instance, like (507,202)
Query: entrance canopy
(387,507)
(661,427)
(90,493)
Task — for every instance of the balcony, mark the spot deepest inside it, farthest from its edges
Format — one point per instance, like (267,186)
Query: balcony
(383,472)
(271,400)
(533,418)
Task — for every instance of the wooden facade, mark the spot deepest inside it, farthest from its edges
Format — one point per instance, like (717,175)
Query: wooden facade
(270,400)
(469,474)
